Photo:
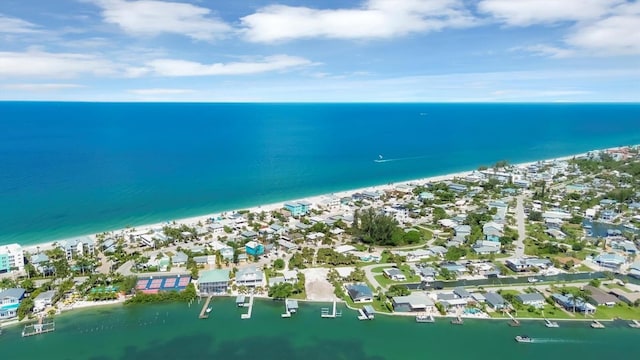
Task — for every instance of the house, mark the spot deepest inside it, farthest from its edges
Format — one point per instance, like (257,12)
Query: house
(461,293)
(524,264)
(296,209)
(458,188)
(486,247)
(478,297)
(227,253)
(532,299)
(254,248)
(205,260)
(569,303)
(9,302)
(427,273)
(275,280)
(628,297)
(492,231)
(598,297)
(462,231)
(217,229)
(249,235)
(41,263)
(11,258)
(287,245)
(394,274)
(451,300)
(179,259)
(609,260)
(455,268)
(556,234)
(359,293)
(213,282)
(43,300)
(82,246)
(415,302)
(634,270)
(495,300)
(249,276)
(343,249)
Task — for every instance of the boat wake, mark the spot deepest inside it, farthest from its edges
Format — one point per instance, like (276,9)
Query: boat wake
(554,341)
(382,160)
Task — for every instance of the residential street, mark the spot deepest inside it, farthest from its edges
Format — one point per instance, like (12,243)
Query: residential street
(522,233)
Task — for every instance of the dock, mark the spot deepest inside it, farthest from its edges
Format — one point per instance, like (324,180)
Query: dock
(597,324)
(634,324)
(324,312)
(250,306)
(366,313)
(290,307)
(457,321)
(514,322)
(42,327)
(204,313)
(241,301)
(425,318)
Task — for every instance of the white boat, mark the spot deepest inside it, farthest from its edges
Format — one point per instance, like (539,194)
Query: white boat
(533,280)
(424,318)
(550,324)
(634,324)
(524,339)
(597,325)
(209,309)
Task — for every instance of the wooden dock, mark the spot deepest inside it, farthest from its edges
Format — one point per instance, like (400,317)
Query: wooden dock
(204,313)
(248,314)
(42,327)
(335,313)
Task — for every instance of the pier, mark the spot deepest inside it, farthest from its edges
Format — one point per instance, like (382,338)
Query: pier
(290,307)
(248,314)
(42,327)
(514,322)
(324,312)
(366,313)
(204,313)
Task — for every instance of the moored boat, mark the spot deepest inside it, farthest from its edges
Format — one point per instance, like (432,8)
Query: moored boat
(550,324)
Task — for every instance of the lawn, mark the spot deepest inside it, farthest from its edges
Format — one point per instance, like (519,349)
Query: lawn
(385,282)
(549,312)
(617,286)
(622,311)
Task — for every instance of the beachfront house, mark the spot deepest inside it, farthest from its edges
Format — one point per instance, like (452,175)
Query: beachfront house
(394,274)
(41,263)
(359,293)
(532,299)
(298,208)
(415,302)
(254,248)
(495,300)
(78,247)
(249,276)
(9,302)
(570,303)
(43,300)
(213,282)
(11,258)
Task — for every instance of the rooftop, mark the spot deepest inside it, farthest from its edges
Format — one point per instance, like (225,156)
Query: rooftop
(215,275)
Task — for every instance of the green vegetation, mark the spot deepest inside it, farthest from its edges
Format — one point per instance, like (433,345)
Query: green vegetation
(164,296)
(620,310)
(331,257)
(287,290)
(617,286)
(372,227)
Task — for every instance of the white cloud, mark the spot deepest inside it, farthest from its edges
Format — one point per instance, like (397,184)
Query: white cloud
(529,12)
(150,17)
(12,25)
(159,91)
(172,67)
(41,87)
(615,35)
(373,19)
(39,63)
(547,50)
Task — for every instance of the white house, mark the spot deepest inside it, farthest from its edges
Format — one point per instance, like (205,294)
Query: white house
(43,300)
(394,274)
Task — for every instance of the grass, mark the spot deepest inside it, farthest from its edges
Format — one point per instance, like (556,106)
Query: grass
(617,286)
(583,268)
(509,292)
(385,282)
(549,312)
(622,311)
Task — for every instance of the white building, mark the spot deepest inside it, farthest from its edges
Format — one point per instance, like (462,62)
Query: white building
(11,257)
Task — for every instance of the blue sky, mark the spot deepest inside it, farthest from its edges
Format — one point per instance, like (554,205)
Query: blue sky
(303,50)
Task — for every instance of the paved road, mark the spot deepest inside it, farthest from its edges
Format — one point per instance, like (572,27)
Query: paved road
(522,233)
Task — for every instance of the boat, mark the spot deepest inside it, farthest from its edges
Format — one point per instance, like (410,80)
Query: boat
(424,318)
(523,339)
(209,309)
(634,324)
(379,159)
(533,280)
(550,324)
(597,324)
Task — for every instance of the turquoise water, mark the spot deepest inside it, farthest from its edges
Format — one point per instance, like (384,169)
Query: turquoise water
(77,168)
(175,332)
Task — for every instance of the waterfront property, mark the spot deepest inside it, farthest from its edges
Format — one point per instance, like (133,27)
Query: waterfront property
(213,282)
(609,260)
(78,247)
(359,293)
(155,284)
(524,264)
(249,276)
(43,300)
(570,303)
(531,299)
(495,300)
(415,302)
(628,297)
(9,302)
(297,209)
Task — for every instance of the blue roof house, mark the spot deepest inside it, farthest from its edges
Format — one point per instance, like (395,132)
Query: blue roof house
(254,248)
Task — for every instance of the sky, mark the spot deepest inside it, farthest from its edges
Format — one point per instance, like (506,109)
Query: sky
(320,50)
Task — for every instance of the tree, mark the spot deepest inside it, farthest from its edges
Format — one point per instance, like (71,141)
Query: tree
(398,290)
(535,216)
(25,307)
(278,264)
(455,253)
(281,291)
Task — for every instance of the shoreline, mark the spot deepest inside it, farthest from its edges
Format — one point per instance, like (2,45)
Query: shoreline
(44,245)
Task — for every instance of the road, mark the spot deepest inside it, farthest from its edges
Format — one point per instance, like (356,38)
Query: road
(522,233)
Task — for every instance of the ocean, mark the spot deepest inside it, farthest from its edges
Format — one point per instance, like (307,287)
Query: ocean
(174,332)
(70,169)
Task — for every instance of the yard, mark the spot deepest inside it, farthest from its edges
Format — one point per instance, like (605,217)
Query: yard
(549,312)
(617,286)
(622,311)
(385,281)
